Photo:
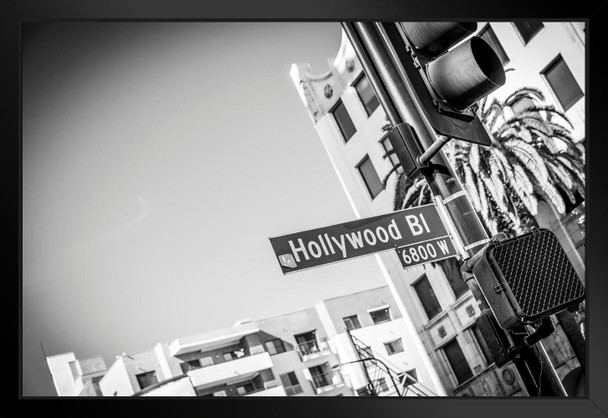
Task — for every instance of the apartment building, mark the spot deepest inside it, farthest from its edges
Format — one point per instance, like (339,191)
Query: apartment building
(305,353)
(549,56)
(73,377)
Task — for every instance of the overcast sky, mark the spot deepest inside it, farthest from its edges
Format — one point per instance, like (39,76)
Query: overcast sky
(158,158)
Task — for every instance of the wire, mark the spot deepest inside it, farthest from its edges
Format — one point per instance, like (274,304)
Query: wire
(541,369)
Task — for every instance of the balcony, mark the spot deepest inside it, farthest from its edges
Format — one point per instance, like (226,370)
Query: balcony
(211,340)
(237,370)
(313,349)
(327,382)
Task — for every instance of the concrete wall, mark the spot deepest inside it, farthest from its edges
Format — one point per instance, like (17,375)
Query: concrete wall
(63,377)
(116,382)
(358,304)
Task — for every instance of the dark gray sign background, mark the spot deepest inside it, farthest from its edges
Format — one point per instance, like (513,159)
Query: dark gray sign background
(405,227)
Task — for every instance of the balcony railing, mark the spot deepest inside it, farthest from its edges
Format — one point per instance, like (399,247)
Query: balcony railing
(313,349)
(327,381)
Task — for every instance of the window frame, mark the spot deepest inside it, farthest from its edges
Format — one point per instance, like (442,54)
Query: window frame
(365,182)
(451,365)
(482,347)
(355,85)
(393,350)
(188,364)
(356,317)
(297,387)
(393,157)
(381,384)
(273,341)
(332,111)
(382,308)
(244,391)
(552,65)
(529,36)
(140,376)
(434,295)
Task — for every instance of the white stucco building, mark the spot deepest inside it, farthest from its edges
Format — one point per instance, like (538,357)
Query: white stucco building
(305,353)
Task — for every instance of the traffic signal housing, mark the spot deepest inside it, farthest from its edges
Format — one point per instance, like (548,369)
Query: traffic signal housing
(449,82)
(527,278)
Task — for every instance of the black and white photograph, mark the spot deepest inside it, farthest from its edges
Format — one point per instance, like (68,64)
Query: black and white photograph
(305,209)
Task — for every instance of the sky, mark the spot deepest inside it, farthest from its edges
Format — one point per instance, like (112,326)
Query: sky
(157,160)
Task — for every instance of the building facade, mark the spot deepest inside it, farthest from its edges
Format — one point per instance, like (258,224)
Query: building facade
(305,353)
(73,377)
(548,56)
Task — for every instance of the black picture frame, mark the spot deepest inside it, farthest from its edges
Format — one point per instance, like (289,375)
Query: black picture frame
(14,13)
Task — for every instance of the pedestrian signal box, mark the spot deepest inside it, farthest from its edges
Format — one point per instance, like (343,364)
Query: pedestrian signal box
(527,278)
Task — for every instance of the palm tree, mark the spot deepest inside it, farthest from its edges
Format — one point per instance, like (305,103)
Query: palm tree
(532,158)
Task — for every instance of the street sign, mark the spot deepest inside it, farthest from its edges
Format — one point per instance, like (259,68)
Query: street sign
(313,248)
(425,252)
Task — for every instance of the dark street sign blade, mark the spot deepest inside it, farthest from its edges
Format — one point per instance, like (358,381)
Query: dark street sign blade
(313,248)
(425,252)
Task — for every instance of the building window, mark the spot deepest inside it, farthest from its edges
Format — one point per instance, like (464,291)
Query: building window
(275,346)
(488,35)
(345,123)
(352,322)
(427,297)
(459,364)
(481,342)
(381,384)
(146,379)
(307,343)
(386,144)
(370,177)
(366,94)
(394,346)
(206,361)
(380,315)
(321,377)
(190,365)
(230,355)
(562,82)
(409,377)
(458,285)
(527,30)
(291,384)
(244,389)
(74,370)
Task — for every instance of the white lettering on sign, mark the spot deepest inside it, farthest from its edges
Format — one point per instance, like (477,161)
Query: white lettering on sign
(437,249)
(443,246)
(414,224)
(357,240)
(296,250)
(398,230)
